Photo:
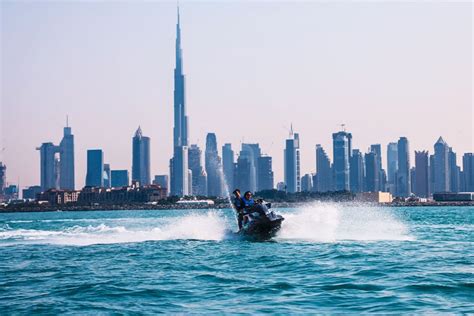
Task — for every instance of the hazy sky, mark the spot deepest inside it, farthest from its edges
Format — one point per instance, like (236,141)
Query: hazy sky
(252,68)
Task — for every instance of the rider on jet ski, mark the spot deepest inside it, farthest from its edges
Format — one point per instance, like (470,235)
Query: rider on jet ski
(241,204)
(254,218)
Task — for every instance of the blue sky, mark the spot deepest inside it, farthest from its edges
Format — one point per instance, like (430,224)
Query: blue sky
(252,68)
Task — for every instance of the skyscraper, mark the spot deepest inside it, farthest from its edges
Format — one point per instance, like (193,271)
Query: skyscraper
(468,172)
(199,176)
(48,167)
(179,181)
(179,162)
(3,177)
(371,172)
(357,171)
(107,176)
(252,152)
(228,166)
(163,181)
(66,165)
(242,174)
(265,173)
(377,149)
(432,174)
(342,147)
(454,172)
(392,166)
(441,166)
(120,178)
(292,163)
(412,179)
(95,168)
(422,172)
(213,166)
(324,174)
(141,158)
(307,183)
(403,183)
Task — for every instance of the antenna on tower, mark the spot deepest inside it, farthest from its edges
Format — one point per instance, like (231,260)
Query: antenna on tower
(67,120)
(291,130)
(343,127)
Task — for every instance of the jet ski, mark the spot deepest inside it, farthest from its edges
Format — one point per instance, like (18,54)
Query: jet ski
(260,223)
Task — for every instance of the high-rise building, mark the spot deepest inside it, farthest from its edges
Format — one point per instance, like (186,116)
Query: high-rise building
(163,181)
(252,152)
(468,172)
(141,158)
(31,192)
(441,166)
(292,163)
(66,166)
(57,163)
(342,147)
(377,149)
(265,173)
(120,178)
(179,163)
(228,166)
(413,179)
(372,173)
(422,174)
(454,172)
(3,177)
(199,176)
(95,168)
(324,174)
(107,176)
(392,166)
(307,183)
(431,176)
(213,166)
(242,174)
(357,171)
(11,192)
(403,183)
(281,186)
(48,165)
(179,181)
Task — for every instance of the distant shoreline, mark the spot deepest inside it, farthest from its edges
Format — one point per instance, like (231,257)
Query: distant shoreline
(144,206)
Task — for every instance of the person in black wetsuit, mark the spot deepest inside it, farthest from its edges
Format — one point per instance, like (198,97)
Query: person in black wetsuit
(239,207)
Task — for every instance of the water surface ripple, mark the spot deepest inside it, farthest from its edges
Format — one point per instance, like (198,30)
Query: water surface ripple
(328,258)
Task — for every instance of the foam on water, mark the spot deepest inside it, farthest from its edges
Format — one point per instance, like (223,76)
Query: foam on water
(318,222)
(326,222)
(208,226)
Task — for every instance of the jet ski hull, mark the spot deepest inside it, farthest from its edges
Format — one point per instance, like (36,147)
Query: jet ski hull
(261,223)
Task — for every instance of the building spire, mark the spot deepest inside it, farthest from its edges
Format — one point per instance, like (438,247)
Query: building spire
(139,133)
(177,6)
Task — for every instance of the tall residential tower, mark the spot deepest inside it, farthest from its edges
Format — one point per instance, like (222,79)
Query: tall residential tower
(141,158)
(292,163)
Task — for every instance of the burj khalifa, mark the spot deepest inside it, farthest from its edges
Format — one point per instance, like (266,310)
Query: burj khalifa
(179,173)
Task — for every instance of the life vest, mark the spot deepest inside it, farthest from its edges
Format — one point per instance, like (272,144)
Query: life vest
(248,203)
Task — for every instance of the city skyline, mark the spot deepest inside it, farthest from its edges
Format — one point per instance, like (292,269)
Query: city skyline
(273,146)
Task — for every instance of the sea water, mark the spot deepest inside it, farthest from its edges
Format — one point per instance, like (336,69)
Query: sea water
(327,258)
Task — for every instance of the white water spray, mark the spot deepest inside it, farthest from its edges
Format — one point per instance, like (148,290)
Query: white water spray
(329,222)
(318,222)
(208,226)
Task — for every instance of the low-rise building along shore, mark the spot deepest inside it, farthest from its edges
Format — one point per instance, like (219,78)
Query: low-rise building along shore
(111,200)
